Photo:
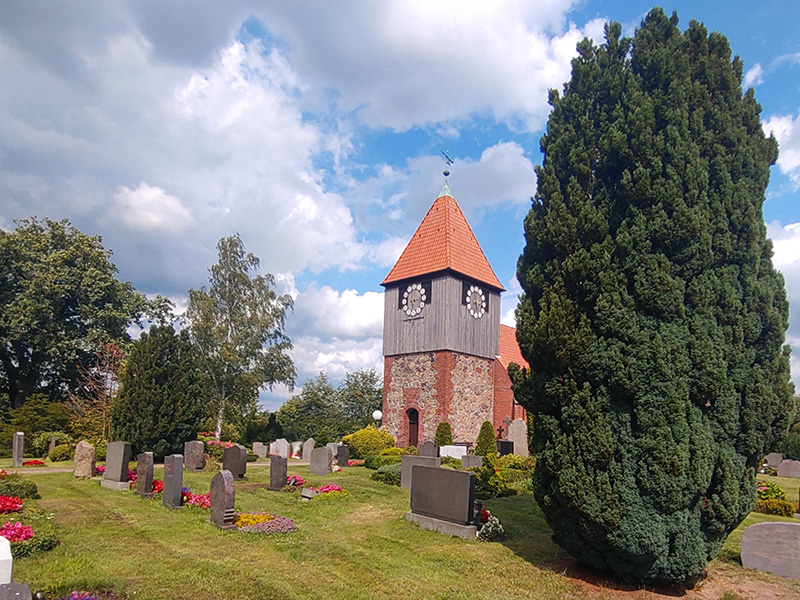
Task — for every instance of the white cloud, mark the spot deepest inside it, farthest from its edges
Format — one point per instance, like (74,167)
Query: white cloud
(150,208)
(754,76)
(509,301)
(787,131)
(336,357)
(786,258)
(328,313)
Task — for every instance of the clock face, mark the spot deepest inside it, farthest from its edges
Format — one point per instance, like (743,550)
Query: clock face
(414,299)
(476,301)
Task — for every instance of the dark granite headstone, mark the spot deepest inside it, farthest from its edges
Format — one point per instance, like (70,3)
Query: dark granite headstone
(17,449)
(773,459)
(84,460)
(321,461)
(443,494)
(789,468)
(343,455)
(194,458)
(173,480)
(505,447)
(144,475)
(468,461)
(428,449)
(772,547)
(118,455)
(277,472)
(407,462)
(234,459)
(223,498)
(308,446)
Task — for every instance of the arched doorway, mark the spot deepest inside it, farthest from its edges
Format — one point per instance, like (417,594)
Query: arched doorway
(413,426)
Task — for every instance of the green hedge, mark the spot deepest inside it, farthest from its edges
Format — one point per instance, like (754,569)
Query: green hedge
(389,474)
(377,461)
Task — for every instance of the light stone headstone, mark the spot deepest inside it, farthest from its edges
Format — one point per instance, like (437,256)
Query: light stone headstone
(296,448)
(308,446)
(223,499)
(452,451)
(518,433)
(321,461)
(173,480)
(273,448)
(789,468)
(50,445)
(343,455)
(307,494)
(428,448)
(234,459)
(334,446)
(194,458)
(17,446)
(773,547)
(260,449)
(84,460)
(118,455)
(277,473)
(407,462)
(6,561)
(282,448)
(468,461)
(144,475)
(773,459)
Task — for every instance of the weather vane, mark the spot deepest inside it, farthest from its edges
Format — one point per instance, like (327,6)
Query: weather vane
(448,161)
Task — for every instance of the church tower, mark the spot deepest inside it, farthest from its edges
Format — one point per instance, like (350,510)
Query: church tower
(441,331)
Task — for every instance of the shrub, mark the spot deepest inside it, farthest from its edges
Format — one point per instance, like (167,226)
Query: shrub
(766,490)
(393,451)
(511,461)
(790,445)
(19,487)
(41,443)
(489,482)
(62,452)
(449,461)
(486,444)
(413,450)
(376,461)
(368,441)
(252,457)
(774,506)
(100,450)
(444,434)
(515,475)
(42,541)
(389,474)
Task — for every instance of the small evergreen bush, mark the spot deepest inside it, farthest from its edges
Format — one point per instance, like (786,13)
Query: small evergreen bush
(766,490)
(449,461)
(376,461)
(774,506)
(389,474)
(514,475)
(19,487)
(511,461)
(444,434)
(41,443)
(486,444)
(368,441)
(489,482)
(393,451)
(62,452)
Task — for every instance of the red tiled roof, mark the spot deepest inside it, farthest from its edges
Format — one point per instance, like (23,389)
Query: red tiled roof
(444,241)
(509,348)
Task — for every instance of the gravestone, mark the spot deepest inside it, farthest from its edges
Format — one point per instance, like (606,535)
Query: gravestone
(428,448)
(15,591)
(789,468)
(282,448)
(277,473)
(50,445)
(334,446)
(260,449)
(308,446)
(296,448)
(118,455)
(307,494)
(194,456)
(468,461)
(321,461)
(407,462)
(443,500)
(17,446)
(772,547)
(84,460)
(144,475)
(273,448)
(518,433)
(773,459)
(173,480)
(234,459)
(505,447)
(453,451)
(6,561)
(223,498)
(343,455)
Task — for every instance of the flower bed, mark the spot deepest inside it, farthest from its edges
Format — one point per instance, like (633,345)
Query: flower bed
(16,532)
(196,500)
(295,481)
(263,523)
(33,463)
(9,504)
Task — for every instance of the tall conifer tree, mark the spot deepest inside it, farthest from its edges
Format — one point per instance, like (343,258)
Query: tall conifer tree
(653,319)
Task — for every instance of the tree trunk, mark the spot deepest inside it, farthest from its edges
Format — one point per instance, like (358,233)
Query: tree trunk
(220,415)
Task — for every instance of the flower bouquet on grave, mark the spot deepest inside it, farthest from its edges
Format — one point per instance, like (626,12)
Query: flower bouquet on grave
(196,500)
(100,469)
(490,527)
(158,486)
(293,483)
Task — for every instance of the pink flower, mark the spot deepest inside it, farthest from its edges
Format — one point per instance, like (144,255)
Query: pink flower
(16,532)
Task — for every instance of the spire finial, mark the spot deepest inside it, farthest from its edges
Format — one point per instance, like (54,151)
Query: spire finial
(447,162)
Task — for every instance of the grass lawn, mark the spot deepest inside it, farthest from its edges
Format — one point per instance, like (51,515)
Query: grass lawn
(357,546)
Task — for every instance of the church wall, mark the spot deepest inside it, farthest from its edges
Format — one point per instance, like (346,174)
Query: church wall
(504,404)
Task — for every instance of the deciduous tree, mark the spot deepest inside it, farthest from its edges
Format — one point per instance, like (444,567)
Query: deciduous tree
(653,319)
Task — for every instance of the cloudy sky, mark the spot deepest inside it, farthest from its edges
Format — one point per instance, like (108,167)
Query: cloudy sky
(315,130)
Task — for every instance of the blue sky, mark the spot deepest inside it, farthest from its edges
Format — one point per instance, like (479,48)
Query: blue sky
(315,130)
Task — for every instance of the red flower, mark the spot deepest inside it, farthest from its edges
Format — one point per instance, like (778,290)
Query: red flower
(10,504)
(33,463)
(158,486)
(485,514)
